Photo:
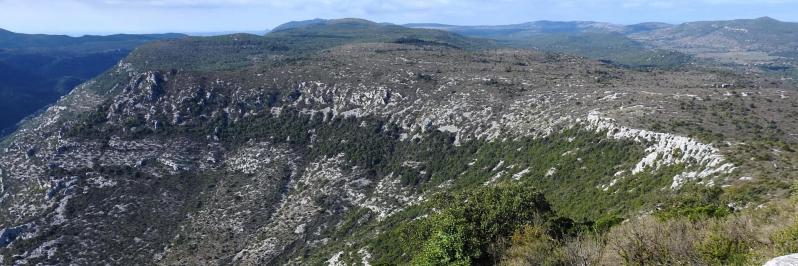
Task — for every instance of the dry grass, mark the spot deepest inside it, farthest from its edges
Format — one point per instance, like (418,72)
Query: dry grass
(750,237)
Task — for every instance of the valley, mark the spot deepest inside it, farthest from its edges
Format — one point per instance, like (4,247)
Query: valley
(349,142)
(37,69)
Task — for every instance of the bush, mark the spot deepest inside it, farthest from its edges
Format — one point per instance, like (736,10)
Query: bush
(468,227)
(584,250)
(695,204)
(604,223)
(448,244)
(647,241)
(785,241)
(531,245)
(720,249)
(794,191)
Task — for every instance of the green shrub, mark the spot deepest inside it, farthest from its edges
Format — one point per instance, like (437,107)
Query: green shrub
(531,245)
(466,227)
(794,191)
(785,241)
(605,222)
(448,244)
(719,249)
(695,204)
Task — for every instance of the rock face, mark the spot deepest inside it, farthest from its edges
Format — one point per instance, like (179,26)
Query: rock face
(269,163)
(787,260)
(667,149)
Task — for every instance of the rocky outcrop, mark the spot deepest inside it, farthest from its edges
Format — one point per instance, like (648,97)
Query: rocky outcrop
(666,149)
(787,260)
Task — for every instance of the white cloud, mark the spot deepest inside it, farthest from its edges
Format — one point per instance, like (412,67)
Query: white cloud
(666,3)
(409,3)
(272,3)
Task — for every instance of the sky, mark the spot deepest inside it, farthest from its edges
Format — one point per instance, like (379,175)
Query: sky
(76,17)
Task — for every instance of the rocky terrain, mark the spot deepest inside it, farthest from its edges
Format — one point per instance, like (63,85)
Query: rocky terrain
(312,156)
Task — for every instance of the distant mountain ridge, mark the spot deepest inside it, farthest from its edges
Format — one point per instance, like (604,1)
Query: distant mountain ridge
(763,34)
(37,69)
(338,23)
(646,26)
(12,40)
(742,43)
(767,29)
(597,40)
(291,40)
(297,24)
(527,28)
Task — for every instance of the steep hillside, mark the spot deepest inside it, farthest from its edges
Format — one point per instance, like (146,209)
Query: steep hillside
(38,69)
(294,149)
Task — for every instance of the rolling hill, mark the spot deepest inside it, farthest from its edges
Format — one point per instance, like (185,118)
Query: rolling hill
(602,41)
(763,45)
(762,34)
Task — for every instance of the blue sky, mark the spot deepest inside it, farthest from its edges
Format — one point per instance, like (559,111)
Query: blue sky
(141,16)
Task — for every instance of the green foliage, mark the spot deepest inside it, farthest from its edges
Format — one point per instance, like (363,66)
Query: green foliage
(531,245)
(695,203)
(754,191)
(794,191)
(785,240)
(719,248)
(448,244)
(696,212)
(605,222)
(464,226)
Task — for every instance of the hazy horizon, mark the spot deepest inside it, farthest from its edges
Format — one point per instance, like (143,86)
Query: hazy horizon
(266,30)
(79,17)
